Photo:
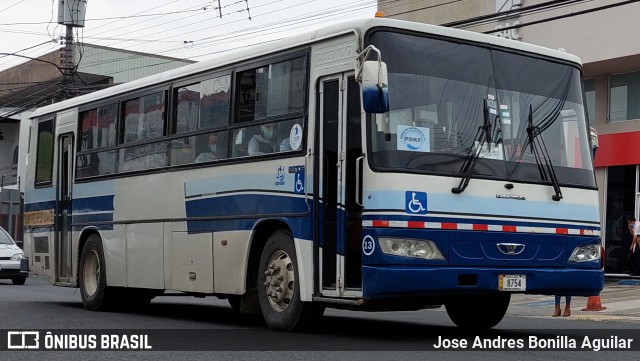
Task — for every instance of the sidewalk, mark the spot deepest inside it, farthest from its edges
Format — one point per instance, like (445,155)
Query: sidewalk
(620,296)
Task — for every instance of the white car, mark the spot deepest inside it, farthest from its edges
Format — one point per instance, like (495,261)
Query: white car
(13,264)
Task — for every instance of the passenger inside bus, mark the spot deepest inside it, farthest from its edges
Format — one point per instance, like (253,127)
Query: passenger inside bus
(265,141)
(215,149)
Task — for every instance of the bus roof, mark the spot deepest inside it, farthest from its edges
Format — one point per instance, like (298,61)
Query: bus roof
(361,25)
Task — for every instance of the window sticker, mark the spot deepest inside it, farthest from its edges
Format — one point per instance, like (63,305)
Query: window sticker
(505,116)
(295,137)
(413,139)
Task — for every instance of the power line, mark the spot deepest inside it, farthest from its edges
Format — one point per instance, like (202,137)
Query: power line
(510,13)
(582,12)
(35,59)
(305,18)
(110,18)
(9,7)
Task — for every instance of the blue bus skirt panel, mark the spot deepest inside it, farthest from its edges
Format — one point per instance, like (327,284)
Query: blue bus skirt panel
(401,281)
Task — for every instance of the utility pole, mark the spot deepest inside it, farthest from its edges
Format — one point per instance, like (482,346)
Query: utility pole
(70,14)
(68,64)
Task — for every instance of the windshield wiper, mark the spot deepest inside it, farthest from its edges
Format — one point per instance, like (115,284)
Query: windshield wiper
(483,135)
(540,152)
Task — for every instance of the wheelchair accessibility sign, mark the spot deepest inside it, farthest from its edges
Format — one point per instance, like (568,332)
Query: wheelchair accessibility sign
(298,174)
(415,202)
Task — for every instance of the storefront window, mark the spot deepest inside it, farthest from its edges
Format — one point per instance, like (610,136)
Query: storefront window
(624,96)
(621,194)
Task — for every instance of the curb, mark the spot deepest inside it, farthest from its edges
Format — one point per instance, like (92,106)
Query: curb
(632,282)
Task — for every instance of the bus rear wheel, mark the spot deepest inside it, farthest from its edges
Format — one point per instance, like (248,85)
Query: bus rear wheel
(279,286)
(478,311)
(96,295)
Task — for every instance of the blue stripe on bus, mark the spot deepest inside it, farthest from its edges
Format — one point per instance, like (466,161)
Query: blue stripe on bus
(245,205)
(39,206)
(80,218)
(93,204)
(524,223)
(88,204)
(300,226)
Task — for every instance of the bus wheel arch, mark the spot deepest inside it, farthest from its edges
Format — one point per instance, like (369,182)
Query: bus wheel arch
(279,286)
(82,241)
(92,275)
(249,302)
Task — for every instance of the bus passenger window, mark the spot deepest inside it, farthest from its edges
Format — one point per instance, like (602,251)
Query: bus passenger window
(182,151)
(264,141)
(213,146)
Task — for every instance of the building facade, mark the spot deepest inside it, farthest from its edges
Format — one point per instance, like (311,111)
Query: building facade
(603,33)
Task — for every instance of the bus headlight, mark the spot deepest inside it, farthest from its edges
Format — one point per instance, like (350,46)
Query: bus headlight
(410,248)
(590,252)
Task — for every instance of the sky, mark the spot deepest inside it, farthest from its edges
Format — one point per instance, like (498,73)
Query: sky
(192,29)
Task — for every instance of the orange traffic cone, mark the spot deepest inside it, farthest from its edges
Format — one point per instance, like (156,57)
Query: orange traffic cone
(593,304)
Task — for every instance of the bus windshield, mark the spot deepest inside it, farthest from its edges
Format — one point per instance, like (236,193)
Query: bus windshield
(438,95)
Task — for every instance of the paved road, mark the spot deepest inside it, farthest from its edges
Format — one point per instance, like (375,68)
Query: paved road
(621,299)
(340,335)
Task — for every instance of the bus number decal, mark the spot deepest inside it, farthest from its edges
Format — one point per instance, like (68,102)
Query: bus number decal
(368,245)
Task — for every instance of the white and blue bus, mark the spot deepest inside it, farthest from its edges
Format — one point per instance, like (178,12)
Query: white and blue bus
(373,165)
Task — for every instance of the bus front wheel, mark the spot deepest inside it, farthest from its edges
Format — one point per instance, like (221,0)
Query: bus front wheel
(478,311)
(96,295)
(279,286)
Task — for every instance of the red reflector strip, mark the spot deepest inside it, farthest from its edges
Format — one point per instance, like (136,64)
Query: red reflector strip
(415,224)
(478,227)
(381,223)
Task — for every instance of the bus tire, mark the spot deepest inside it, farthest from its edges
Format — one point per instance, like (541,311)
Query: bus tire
(19,281)
(279,287)
(92,277)
(479,312)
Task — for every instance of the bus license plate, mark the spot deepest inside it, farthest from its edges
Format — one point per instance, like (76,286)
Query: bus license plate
(512,282)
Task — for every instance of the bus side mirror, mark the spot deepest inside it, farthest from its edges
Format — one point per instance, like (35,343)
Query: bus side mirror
(375,92)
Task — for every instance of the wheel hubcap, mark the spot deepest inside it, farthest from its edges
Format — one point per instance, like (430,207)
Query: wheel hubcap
(280,280)
(91,273)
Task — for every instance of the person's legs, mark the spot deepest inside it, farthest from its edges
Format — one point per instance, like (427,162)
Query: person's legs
(556,311)
(567,307)
(636,262)
(632,262)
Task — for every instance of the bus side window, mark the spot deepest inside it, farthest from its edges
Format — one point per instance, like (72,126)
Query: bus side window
(241,139)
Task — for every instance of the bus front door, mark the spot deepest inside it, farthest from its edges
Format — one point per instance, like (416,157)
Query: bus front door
(62,238)
(339,226)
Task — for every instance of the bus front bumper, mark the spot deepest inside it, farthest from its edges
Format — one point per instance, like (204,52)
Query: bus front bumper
(402,281)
